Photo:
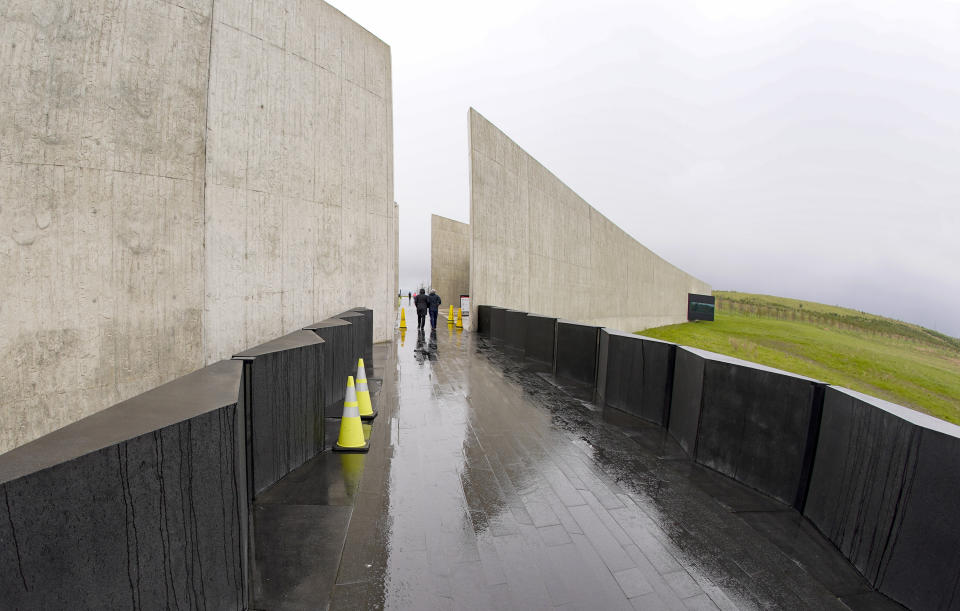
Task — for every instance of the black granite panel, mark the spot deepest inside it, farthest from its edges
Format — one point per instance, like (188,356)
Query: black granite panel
(541,338)
(639,375)
(498,323)
(359,337)
(283,388)
(923,570)
(155,521)
(864,457)
(483,320)
(686,398)
(367,339)
(338,341)
(576,351)
(754,424)
(516,329)
(603,353)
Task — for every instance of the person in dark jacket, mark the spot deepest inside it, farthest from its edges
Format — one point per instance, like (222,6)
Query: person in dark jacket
(421,301)
(433,301)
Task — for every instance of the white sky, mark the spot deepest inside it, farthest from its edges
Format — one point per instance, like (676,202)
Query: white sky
(806,149)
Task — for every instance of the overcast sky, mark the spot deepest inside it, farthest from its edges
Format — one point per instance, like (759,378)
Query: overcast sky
(807,149)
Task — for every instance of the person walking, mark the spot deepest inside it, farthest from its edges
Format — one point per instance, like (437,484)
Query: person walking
(433,301)
(422,302)
(409,295)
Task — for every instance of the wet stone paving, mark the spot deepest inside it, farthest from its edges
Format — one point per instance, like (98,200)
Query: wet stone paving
(491,485)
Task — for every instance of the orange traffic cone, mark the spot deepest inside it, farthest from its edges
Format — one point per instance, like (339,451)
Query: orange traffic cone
(363,394)
(351,427)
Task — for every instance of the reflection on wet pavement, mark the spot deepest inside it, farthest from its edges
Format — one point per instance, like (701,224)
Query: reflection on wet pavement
(491,486)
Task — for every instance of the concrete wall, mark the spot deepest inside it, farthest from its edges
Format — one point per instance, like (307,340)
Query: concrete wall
(180,182)
(449,259)
(299,210)
(536,246)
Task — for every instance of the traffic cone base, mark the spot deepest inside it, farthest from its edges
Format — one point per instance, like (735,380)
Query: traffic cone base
(351,437)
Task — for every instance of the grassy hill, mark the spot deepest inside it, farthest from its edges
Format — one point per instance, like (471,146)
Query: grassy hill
(886,358)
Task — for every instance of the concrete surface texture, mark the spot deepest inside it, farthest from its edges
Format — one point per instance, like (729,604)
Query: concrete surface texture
(536,246)
(181,181)
(449,259)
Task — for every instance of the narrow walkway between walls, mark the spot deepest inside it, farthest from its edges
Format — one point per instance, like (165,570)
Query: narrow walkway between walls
(491,486)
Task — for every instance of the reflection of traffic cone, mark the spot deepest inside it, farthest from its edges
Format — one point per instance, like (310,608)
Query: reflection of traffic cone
(351,466)
(363,394)
(403,319)
(351,429)
(403,336)
(367,429)
(459,318)
(450,317)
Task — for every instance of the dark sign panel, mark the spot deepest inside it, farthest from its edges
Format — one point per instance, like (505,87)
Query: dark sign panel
(700,307)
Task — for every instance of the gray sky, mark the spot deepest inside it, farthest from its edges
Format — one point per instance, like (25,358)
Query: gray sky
(806,149)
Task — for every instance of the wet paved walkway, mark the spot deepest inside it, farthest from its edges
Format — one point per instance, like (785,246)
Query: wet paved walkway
(490,487)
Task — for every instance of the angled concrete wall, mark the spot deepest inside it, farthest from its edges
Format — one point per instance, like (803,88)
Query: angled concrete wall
(536,246)
(449,259)
(180,182)
(299,212)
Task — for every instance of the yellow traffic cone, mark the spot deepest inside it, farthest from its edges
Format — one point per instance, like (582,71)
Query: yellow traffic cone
(403,319)
(351,427)
(450,317)
(363,393)
(459,318)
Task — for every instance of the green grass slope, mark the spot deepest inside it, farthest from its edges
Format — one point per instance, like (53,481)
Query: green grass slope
(893,360)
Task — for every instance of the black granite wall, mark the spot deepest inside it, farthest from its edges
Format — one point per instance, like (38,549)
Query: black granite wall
(142,505)
(516,329)
(635,375)
(754,426)
(483,320)
(541,338)
(337,335)
(884,489)
(498,323)
(576,351)
(359,347)
(283,395)
(685,398)
(864,457)
(367,338)
(923,567)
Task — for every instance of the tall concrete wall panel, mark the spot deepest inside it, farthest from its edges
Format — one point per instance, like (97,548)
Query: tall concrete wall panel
(449,259)
(536,246)
(300,217)
(180,182)
(102,120)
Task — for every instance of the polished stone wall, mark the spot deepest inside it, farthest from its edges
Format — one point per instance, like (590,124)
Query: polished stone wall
(142,505)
